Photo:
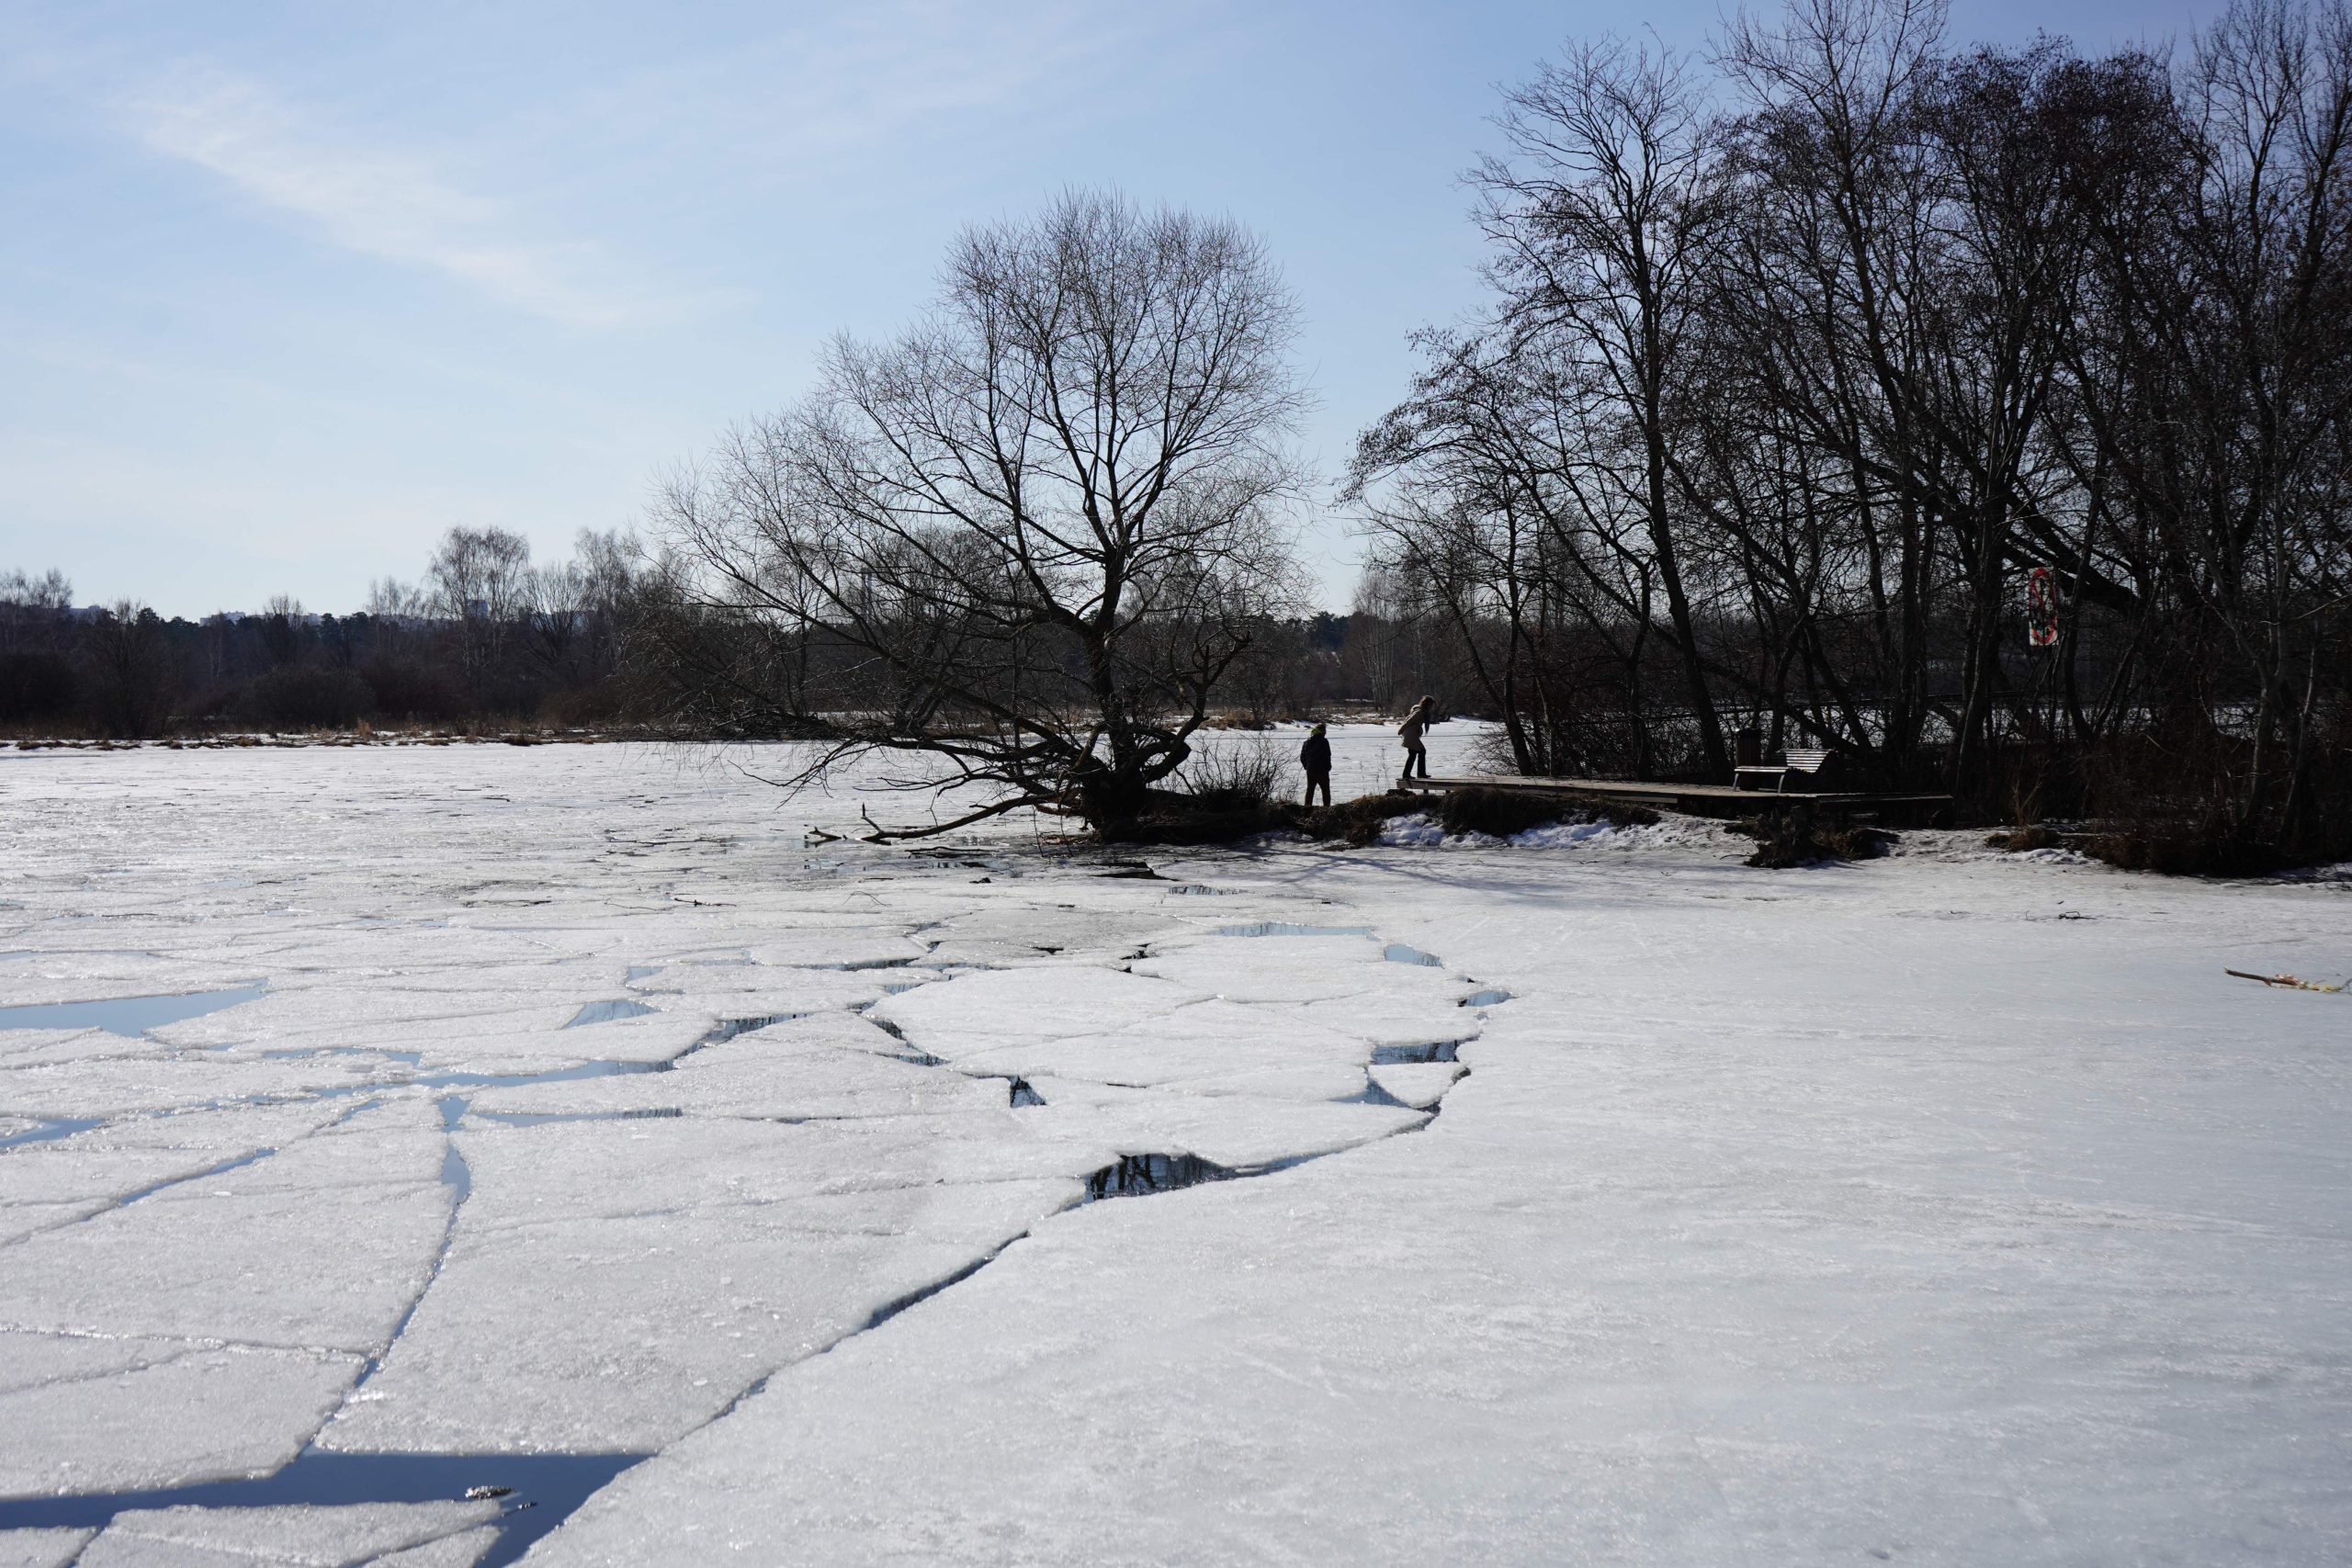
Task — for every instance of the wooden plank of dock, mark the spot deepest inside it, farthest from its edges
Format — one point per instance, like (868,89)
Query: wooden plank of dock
(1696,800)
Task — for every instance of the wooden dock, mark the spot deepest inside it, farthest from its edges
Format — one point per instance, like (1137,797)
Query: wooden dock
(1703,800)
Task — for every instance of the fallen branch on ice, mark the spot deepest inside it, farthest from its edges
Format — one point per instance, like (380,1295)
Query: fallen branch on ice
(2287,980)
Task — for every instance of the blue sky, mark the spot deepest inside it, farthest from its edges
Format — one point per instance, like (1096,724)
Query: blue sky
(287,290)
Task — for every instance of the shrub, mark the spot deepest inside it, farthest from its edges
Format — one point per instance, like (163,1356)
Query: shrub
(607,701)
(1502,812)
(1235,777)
(2167,848)
(409,689)
(130,681)
(1791,839)
(1357,822)
(35,686)
(2178,853)
(1230,792)
(306,696)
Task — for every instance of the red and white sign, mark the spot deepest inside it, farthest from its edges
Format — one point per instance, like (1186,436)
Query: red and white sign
(2041,608)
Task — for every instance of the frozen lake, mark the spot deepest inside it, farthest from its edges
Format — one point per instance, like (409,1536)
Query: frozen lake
(595,1124)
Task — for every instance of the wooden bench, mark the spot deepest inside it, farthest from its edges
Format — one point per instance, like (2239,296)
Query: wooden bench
(1805,770)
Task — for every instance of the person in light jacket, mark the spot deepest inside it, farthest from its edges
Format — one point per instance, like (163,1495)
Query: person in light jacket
(1316,758)
(1416,754)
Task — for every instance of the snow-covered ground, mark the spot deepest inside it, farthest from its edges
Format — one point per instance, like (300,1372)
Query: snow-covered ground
(553,1107)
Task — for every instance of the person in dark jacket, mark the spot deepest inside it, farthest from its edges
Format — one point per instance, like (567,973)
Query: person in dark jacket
(1316,758)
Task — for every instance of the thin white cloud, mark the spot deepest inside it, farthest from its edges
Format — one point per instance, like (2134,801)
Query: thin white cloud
(385,203)
(755,103)
(883,84)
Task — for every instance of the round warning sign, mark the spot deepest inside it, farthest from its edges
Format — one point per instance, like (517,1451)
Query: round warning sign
(2041,608)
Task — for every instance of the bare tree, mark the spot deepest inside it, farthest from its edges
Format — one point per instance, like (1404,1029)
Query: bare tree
(480,581)
(1482,508)
(134,682)
(281,629)
(558,617)
(580,609)
(1604,219)
(33,610)
(1034,531)
(389,599)
(1907,341)
(37,675)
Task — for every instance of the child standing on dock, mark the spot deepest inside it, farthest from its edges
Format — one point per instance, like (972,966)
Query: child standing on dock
(1423,715)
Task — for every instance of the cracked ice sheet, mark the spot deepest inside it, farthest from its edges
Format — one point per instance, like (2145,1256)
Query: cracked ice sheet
(49,980)
(584,1170)
(125,1414)
(835,945)
(408,960)
(42,1048)
(332,1014)
(425,948)
(1393,1019)
(321,1245)
(758,991)
(1204,1046)
(1240,1132)
(1417,1084)
(1115,921)
(611,1286)
(70,1177)
(837,1031)
(461,1551)
(844,1199)
(989,1012)
(1297,969)
(119,1086)
(1787,1217)
(495,1039)
(286,1537)
(41,1549)
(1293,1016)
(758,1076)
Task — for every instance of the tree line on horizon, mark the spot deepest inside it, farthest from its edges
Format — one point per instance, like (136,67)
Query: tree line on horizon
(485,637)
(1978,415)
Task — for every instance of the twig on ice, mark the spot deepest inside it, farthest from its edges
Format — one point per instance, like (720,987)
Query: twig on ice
(2287,980)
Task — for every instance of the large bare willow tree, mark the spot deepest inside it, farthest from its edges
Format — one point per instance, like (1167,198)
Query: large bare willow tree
(1031,534)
